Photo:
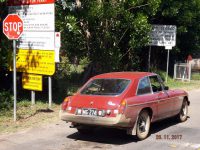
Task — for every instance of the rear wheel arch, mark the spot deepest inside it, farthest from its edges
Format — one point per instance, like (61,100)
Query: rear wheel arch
(149,110)
(132,131)
(142,125)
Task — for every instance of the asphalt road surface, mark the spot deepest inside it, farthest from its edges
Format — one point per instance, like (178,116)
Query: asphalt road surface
(59,136)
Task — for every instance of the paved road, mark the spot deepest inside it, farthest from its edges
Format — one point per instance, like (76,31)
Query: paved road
(59,136)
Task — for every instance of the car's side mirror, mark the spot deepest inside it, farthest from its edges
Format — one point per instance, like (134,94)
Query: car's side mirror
(166,88)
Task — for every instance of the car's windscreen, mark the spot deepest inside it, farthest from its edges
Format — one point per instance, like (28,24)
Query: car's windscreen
(105,87)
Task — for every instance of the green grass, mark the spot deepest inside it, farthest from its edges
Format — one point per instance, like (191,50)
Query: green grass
(195,76)
(185,85)
(179,84)
(28,116)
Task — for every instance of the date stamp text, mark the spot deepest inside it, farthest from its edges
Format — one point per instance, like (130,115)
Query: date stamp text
(169,136)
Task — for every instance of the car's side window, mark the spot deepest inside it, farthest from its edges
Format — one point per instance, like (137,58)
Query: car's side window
(155,84)
(144,86)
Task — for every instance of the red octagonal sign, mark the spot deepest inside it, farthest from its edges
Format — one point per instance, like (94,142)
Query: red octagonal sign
(13,26)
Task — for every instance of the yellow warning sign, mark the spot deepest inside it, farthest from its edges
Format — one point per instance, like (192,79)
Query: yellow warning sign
(36,61)
(32,82)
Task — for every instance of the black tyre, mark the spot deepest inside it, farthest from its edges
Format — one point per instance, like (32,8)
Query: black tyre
(182,116)
(143,125)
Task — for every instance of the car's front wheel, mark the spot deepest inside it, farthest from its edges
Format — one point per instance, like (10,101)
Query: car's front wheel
(143,125)
(183,114)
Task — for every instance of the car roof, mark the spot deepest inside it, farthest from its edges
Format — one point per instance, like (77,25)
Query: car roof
(124,75)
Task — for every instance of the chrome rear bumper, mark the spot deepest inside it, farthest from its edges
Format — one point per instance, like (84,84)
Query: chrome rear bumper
(119,121)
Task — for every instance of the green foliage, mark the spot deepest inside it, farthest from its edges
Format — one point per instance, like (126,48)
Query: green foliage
(160,72)
(107,32)
(185,15)
(68,77)
(5,44)
(6,101)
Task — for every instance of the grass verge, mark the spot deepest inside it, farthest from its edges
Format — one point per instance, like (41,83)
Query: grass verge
(188,86)
(28,116)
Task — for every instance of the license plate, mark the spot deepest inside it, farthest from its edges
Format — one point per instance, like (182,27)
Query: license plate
(89,112)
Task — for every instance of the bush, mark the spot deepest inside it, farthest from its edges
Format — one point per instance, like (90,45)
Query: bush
(6,101)
(160,72)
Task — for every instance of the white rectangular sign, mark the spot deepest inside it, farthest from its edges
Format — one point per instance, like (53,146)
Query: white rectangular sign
(57,39)
(36,17)
(36,40)
(57,46)
(163,35)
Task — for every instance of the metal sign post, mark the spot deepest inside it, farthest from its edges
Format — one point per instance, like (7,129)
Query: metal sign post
(168,48)
(14,81)
(163,35)
(13,29)
(167,65)
(50,92)
(149,59)
(33,97)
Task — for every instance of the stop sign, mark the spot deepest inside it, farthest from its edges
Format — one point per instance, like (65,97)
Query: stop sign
(13,26)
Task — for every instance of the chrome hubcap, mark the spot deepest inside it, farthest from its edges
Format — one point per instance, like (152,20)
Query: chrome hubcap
(142,124)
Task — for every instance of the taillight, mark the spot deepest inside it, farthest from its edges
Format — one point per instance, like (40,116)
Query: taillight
(65,103)
(122,106)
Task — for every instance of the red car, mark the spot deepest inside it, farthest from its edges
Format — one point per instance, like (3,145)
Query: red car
(125,100)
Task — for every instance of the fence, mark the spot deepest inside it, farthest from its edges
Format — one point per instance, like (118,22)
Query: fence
(187,71)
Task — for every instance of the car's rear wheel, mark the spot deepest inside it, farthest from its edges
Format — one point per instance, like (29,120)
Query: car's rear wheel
(143,125)
(183,114)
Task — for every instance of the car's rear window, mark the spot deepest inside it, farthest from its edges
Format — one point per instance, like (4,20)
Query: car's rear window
(105,87)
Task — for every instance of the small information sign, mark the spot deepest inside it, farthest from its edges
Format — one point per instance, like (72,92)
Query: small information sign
(32,82)
(163,35)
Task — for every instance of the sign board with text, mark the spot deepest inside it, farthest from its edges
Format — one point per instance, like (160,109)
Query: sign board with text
(32,82)
(37,18)
(36,45)
(36,61)
(36,40)
(28,2)
(163,35)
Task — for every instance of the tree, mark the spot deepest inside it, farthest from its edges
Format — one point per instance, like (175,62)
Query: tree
(185,15)
(109,32)
(5,44)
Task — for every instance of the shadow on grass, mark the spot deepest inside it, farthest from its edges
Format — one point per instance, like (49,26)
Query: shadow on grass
(37,112)
(44,110)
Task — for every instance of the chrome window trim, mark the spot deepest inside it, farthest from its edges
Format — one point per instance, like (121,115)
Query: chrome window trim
(159,83)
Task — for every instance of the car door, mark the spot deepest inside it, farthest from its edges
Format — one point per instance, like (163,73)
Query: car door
(164,103)
(144,98)
(177,101)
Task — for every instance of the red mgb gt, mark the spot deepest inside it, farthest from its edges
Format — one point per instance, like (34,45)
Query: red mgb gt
(125,100)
